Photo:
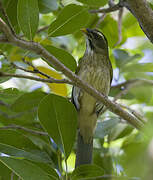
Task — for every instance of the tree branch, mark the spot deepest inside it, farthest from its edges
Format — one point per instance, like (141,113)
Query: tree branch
(125,87)
(49,80)
(107,10)
(120,15)
(39,30)
(35,70)
(38,49)
(144,14)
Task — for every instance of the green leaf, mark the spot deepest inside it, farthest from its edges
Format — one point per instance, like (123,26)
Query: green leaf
(28,17)
(110,30)
(105,127)
(25,169)
(16,139)
(122,57)
(87,171)
(6,173)
(63,56)
(11,10)
(46,6)
(59,117)
(48,169)
(5,67)
(138,67)
(15,152)
(97,3)
(27,101)
(130,26)
(71,18)
(21,118)
(143,94)
(9,95)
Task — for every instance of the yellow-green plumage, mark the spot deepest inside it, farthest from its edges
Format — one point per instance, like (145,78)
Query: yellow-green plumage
(95,69)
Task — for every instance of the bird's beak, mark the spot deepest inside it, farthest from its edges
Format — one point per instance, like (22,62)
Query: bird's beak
(84,30)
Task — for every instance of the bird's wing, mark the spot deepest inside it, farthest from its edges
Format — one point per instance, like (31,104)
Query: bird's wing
(75,97)
(76,92)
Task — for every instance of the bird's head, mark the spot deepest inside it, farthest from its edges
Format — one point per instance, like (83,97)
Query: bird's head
(95,40)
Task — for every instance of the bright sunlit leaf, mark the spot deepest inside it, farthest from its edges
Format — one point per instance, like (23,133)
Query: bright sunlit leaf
(59,89)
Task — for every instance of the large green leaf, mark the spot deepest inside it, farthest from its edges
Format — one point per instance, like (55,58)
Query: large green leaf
(28,17)
(98,3)
(25,169)
(27,101)
(11,10)
(15,152)
(46,6)
(63,56)
(71,18)
(16,139)
(5,173)
(48,169)
(87,171)
(59,117)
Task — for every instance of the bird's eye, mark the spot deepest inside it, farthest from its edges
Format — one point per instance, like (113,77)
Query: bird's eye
(98,35)
(99,39)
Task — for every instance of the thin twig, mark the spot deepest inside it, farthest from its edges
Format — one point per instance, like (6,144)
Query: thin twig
(120,15)
(39,30)
(126,88)
(100,20)
(43,29)
(13,126)
(35,69)
(107,10)
(50,80)
(138,115)
(21,68)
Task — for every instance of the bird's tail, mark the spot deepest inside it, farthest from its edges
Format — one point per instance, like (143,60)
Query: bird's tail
(84,151)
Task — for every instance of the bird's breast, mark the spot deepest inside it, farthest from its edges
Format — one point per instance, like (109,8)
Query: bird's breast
(96,76)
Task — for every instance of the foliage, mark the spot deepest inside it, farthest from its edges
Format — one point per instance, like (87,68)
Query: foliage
(38,123)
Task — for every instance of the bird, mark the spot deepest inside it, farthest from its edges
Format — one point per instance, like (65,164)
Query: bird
(95,69)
